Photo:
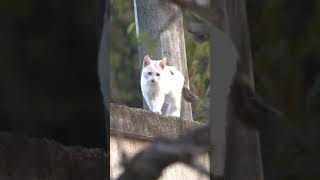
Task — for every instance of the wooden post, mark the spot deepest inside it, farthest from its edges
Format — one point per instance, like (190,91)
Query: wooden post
(244,159)
(223,67)
(103,61)
(237,152)
(151,17)
(224,57)
(103,51)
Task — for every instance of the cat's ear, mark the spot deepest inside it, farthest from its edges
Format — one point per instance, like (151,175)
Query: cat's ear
(163,63)
(146,61)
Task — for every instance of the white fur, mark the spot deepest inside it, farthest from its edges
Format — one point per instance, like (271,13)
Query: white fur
(166,88)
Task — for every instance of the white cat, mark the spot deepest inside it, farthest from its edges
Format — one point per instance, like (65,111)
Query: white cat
(163,84)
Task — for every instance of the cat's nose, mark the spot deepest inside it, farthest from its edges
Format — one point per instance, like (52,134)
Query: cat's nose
(152,81)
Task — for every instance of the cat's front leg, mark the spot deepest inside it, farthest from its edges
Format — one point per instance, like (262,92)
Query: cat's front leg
(157,104)
(174,108)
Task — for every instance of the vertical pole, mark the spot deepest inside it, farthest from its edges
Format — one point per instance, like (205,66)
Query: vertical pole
(103,59)
(159,25)
(103,65)
(103,52)
(223,62)
(223,68)
(244,159)
(237,152)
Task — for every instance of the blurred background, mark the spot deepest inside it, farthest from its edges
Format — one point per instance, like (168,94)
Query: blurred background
(48,71)
(285,42)
(285,39)
(48,68)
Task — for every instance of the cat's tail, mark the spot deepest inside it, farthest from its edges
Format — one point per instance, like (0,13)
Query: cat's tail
(188,95)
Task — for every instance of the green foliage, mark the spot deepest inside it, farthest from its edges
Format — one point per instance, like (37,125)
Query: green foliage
(124,80)
(131,28)
(199,74)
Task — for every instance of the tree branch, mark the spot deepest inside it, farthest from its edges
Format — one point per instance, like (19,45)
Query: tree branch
(149,163)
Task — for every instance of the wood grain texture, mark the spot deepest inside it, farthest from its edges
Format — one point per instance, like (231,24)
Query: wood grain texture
(243,148)
(140,124)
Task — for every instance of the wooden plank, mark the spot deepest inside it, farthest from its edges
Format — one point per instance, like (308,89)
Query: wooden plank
(139,124)
(243,144)
(237,152)
(223,67)
(103,53)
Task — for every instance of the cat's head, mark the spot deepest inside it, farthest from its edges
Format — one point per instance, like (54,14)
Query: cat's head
(152,69)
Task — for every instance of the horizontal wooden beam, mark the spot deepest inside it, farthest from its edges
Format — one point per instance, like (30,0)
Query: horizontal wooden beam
(142,124)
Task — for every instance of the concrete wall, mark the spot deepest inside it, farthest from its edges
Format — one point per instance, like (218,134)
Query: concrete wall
(137,128)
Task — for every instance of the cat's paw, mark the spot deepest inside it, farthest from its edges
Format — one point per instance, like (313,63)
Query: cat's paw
(175,114)
(158,112)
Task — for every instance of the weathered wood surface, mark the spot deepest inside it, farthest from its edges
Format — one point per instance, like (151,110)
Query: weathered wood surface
(31,159)
(160,26)
(237,148)
(244,159)
(223,65)
(141,124)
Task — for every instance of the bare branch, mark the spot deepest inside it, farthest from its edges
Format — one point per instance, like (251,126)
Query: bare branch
(149,163)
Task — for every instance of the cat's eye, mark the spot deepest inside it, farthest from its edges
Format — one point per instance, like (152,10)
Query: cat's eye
(157,74)
(149,73)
